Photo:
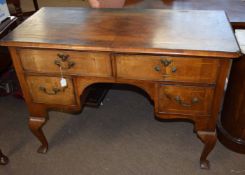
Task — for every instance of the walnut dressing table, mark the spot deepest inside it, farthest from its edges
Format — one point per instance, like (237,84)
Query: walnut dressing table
(180,58)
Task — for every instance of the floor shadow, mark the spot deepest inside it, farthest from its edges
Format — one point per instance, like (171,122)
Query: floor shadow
(101,125)
(18,146)
(126,87)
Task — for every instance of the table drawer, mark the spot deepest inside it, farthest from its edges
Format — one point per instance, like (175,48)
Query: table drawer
(187,100)
(166,68)
(49,91)
(71,62)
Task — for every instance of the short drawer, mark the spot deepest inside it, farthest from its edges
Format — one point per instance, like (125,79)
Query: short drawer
(166,68)
(49,91)
(70,62)
(188,100)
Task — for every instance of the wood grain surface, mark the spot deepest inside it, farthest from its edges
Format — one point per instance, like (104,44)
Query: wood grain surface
(167,68)
(151,31)
(76,63)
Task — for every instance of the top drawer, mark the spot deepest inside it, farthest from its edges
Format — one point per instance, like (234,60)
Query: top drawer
(71,62)
(166,68)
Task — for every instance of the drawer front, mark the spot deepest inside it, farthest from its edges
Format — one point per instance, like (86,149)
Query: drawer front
(71,62)
(164,68)
(187,100)
(49,91)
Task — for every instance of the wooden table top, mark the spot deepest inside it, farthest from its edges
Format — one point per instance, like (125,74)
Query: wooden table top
(142,31)
(235,9)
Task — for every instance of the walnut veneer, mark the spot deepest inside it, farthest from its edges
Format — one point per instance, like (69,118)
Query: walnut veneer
(180,58)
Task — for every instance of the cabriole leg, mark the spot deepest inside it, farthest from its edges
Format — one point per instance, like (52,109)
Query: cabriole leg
(209,140)
(35,125)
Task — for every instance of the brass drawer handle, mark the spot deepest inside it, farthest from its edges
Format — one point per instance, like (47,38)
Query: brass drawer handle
(157,68)
(194,101)
(174,69)
(166,62)
(53,91)
(63,61)
(63,56)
